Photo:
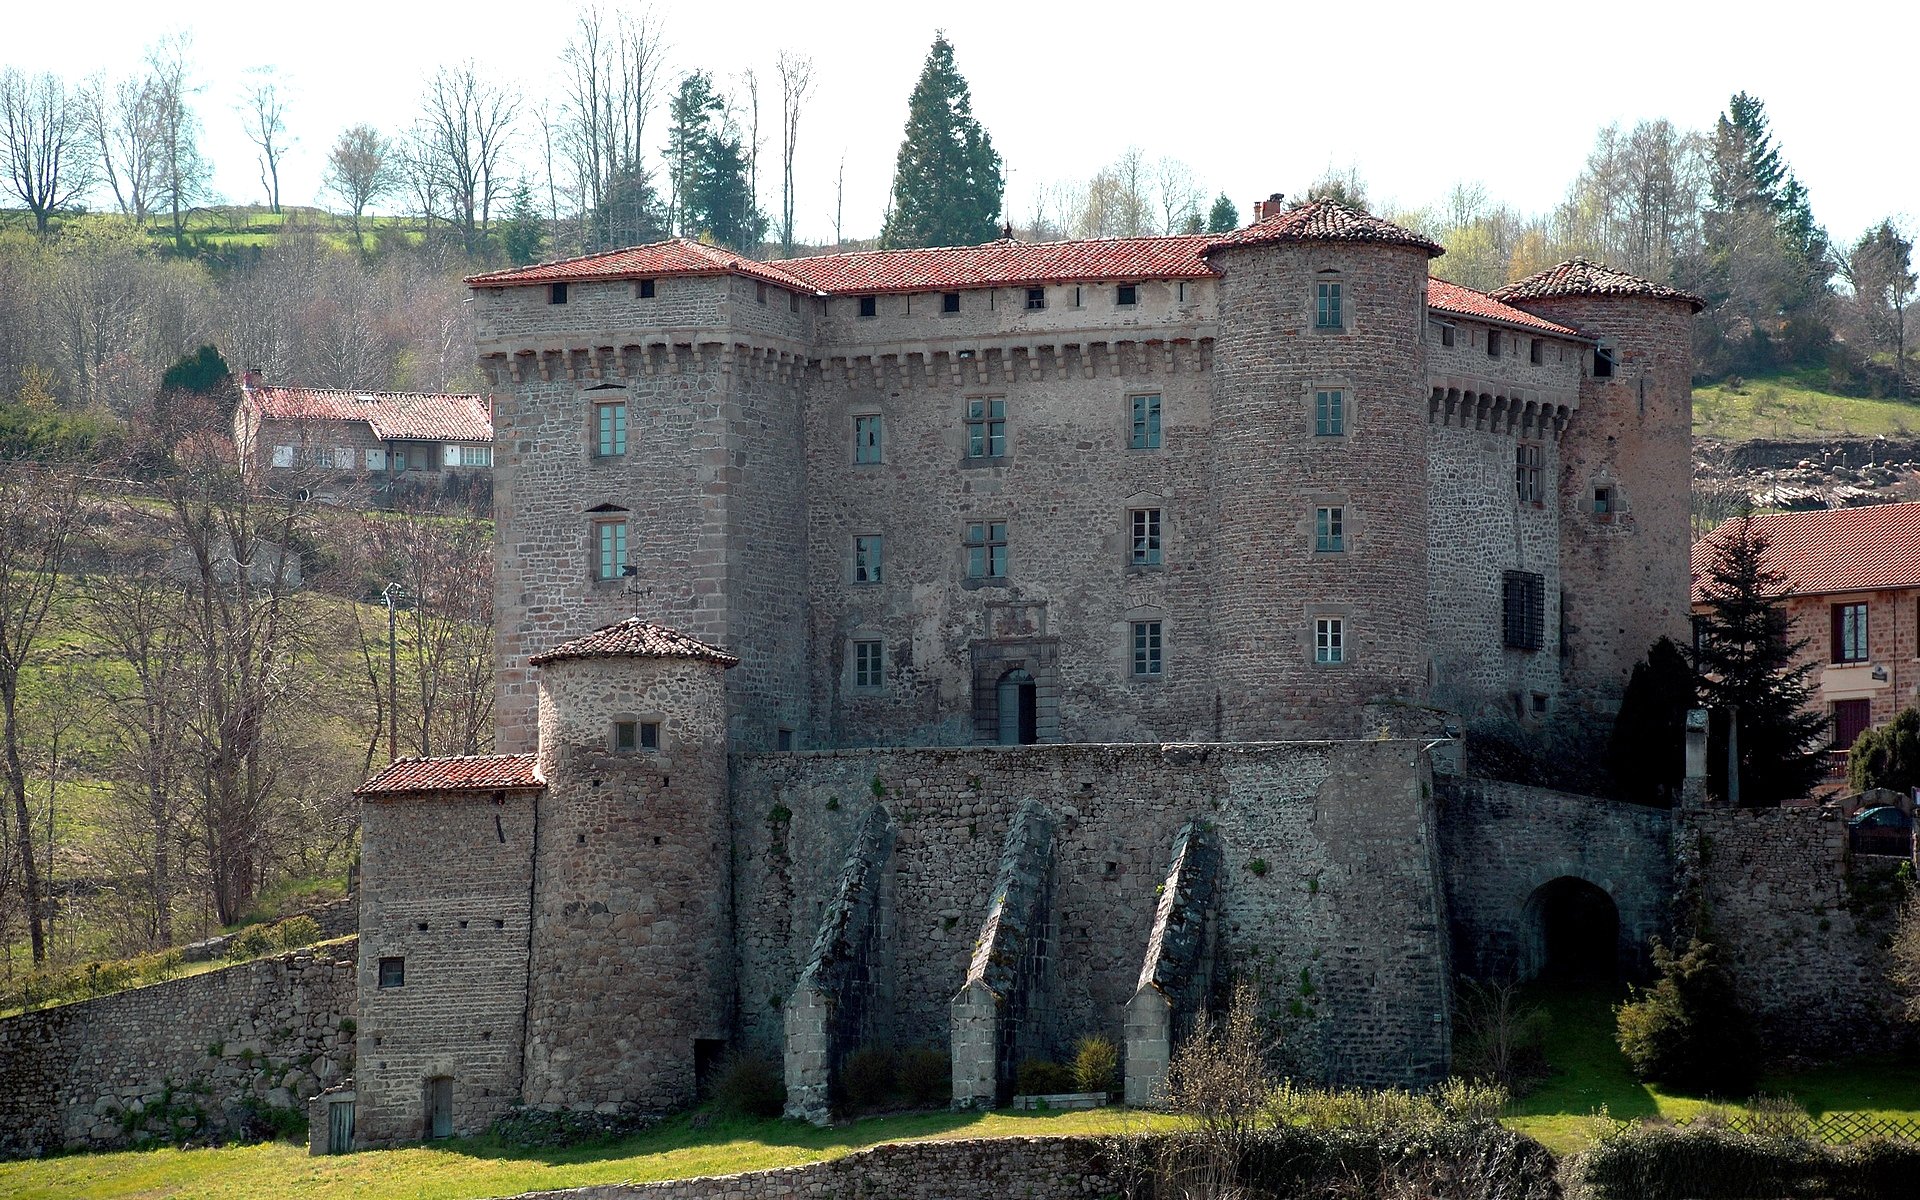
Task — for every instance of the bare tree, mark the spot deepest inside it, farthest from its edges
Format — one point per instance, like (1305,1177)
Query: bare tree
(38,512)
(840,200)
(360,169)
(123,121)
(1116,202)
(1180,196)
(182,174)
(466,124)
(612,79)
(750,80)
(1879,269)
(263,117)
(43,143)
(796,85)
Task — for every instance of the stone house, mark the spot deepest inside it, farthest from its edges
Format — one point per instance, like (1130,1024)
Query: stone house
(1855,578)
(332,437)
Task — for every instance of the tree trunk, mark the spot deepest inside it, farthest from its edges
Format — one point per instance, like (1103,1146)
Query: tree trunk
(17,785)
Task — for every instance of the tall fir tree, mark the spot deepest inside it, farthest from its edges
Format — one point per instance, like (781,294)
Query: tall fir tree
(1646,753)
(1223,217)
(524,233)
(712,197)
(1749,666)
(948,181)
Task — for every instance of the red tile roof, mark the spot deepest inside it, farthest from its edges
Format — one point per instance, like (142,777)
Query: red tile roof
(635,638)
(1465,302)
(678,256)
(427,416)
(1005,263)
(1580,277)
(1873,547)
(1324,221)
(465,773)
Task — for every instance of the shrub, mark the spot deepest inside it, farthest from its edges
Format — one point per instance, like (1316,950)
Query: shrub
(1688,1030)
(252,942)
(1040,1077)
(867,1077)
(1499,1038)
(925,1077)
(1887,757)
(750,1086)
(1708,1163)
(1096,1065)
(296,931)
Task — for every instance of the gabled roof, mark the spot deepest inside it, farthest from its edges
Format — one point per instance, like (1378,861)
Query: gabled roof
(1466,302)
(463,773)
(1005,263)
(635,638)
(1582,277)
(1324,221)
(1870,548)
(427,416)
(676,256)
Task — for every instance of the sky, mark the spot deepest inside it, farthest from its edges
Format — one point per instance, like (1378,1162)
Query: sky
(1256,97)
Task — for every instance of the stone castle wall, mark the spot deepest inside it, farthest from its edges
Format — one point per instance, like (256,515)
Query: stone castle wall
(199,1057)
(1331,893)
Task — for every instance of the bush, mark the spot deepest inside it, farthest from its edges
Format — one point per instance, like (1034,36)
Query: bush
(1499,1038)
(867,1077)
(1688,1030)
(1039,1077)
(750,1086)
(252,942)
(295,932)
(1096,1065)
(1707,1163)
(925,1078)
(1887,757)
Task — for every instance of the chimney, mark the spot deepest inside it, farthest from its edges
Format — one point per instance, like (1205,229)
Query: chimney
(250,380)
(1270,207)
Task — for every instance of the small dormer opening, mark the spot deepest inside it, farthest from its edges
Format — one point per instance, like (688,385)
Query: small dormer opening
(1127,295)
(949,302)
(869,305)
(1538,352)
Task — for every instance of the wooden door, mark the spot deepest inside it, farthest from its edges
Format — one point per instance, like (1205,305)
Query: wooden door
(440,1107)
(339,1127)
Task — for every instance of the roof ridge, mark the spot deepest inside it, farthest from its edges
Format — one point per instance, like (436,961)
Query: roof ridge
(1010,242)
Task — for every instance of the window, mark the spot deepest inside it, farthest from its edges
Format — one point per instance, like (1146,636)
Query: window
(1329,640)
(867,666)
(476,456)
(556,293)
(1330,413)
(610,429)
(1126,295)
(649,735)
(1603,501)
(1146,648)
(1603,362)
(1523,604)
(643,289)
(1446,334)
(760,293)
(987,550)
(793,301)
(1850,633)
(1329,530)
(1144,433)
(376,460)
(1494,338)
(344,457)
(626,737)
(949,302)
(866,558)
(283,456)
(1036,299)
(1526,473)
(1146,537)
(868,306)
(866,439)
(1076,295)
(610,549)
(393,972)
(1327,309)
(783,740)
(323,457)
(987,427)
(1537,352)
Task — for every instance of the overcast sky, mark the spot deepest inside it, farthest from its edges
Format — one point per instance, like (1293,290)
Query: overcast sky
(1256,96)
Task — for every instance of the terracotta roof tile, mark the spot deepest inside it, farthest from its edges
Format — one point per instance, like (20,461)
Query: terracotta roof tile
(428,416)
(1581,277)
(1873,547)
(678,256)
(1005,263)
(635,638)
(1324,221)
(465,773)
(1466,302)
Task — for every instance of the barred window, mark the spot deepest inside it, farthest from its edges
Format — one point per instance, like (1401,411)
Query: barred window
(1146,648)
(1146,537)
(1523,597)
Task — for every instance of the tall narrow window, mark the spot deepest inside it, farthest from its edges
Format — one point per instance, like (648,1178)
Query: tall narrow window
(1850,633)
(1603,362)
(610,428)
(866,439)
(1527,484)
(1144,433)
(987,427)
(1523,604)
(1330,413)
(987,550)
(1146,537)
(1494,338)
(610,549)
(1537,350)
(1329,530)
(1328,309)
(557,293)
(1146,648)
(866,558)
(868,669)
(1329,640)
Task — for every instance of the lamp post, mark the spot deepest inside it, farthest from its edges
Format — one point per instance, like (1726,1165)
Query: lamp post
(392,594)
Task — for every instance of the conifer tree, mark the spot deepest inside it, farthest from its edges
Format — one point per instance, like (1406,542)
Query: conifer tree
(1646,754)
(1223,217)
(712,197)
(1747,666)
(948,181)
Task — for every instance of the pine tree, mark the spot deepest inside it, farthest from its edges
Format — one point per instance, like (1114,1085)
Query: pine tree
(523,233)
(712,196)
(1749,667)
(948,181)
(1223,217)
(1646,753)
(690,117)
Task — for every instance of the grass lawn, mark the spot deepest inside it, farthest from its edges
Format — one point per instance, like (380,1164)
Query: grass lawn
(458,1170)
(1795,405)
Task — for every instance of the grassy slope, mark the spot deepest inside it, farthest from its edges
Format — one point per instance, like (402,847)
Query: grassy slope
(1794,405)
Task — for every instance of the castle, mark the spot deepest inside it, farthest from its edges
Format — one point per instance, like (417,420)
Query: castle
(978,647)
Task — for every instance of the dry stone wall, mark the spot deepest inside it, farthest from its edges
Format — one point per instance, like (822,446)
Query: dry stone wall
(198,1058)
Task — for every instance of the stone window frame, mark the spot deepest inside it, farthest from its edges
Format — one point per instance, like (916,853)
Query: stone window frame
(1310,633)
(1153,437)
(862,661)
(1523,611)
(1126,295)
(879,447)
(607,519)
(869,307)
(558,293)
(383,981)
(1606,353)
(1036,299)
(1312,409)
(985,544)
(1324,279)
(595,427)
(876,569)
(1332,537)
(1146,645)
(645,289)
(979,420)
(949,304)
(1146,517)
(1530,472)
(648,733)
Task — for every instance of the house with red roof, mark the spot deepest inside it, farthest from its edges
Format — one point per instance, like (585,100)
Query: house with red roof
(1855,580)
(386,438)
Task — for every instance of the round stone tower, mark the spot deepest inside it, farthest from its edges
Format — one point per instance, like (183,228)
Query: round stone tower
(629,990)
(1626,470)
(1320,470)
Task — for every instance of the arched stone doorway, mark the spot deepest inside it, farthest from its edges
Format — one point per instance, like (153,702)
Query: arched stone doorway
(1018,708)
(1573,933)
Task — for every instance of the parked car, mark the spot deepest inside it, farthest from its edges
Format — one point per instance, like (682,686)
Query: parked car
(1881,830)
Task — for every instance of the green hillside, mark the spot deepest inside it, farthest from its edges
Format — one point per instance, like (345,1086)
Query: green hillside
(1796,406)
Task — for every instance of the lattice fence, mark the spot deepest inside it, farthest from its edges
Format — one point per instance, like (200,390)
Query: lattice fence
(1830,1129)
